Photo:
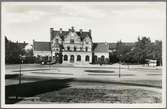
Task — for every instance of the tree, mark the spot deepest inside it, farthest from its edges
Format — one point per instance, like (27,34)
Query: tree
(141,50)
(13,50)
(122,51)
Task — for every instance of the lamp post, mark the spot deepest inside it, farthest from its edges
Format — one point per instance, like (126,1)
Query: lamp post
(21,62)
(120,65)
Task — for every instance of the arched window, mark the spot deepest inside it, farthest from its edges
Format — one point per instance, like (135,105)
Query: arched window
(78,58)
(65,58)
(87,58)
(72,58)
(75,49)
(68,48)
(86,49)
(102,58)
(95,58)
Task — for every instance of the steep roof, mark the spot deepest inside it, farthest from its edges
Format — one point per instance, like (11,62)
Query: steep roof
(82,35)
(101,47)
(41,46)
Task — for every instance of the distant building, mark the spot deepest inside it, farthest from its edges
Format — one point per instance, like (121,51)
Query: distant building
(151,62)
(71,47)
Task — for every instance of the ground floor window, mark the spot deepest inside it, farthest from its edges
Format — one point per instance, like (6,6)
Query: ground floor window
(72,58)
(78,58)
(65,57)
(95,58)
(102,58)
(87,58)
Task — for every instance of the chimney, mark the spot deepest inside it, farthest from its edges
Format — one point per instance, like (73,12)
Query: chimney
(80,31)
(51,33)
(106,43)
(72,28)
(90,32)
(51,29)
(61,30)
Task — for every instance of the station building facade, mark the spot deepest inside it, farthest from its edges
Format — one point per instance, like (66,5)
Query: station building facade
(71,46)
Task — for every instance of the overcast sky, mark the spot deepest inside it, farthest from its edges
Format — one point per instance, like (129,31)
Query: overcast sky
(108,21)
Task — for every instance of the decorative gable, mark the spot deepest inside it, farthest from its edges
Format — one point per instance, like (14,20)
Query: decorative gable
(72,37)
(87,40)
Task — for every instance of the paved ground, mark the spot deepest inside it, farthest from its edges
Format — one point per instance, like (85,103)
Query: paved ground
(90,72)
(91,76)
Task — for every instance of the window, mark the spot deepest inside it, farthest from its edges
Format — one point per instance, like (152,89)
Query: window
(87,42)
(75,49)
(102,58)
(95,58)
(87,58)
(68,48)
(57,40)
(80,48)
(86,49)
(72,58)
(72,41)
(65,58)
(78,58)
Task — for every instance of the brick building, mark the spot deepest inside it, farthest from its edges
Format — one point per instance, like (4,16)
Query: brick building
(71,47)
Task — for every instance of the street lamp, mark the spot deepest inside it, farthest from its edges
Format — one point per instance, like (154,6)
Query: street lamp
(120,65)
(21,62)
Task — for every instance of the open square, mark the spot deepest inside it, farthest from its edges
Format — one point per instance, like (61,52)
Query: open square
(83,84)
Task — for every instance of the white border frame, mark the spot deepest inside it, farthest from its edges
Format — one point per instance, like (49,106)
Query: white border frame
(77,105)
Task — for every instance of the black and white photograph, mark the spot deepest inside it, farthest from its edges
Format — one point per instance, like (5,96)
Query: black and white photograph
(83,54)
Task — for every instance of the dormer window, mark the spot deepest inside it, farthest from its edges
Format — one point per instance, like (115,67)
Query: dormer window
(68,48)
(86,49)
(80,48)
(57,40)
(72,41)
(75,49)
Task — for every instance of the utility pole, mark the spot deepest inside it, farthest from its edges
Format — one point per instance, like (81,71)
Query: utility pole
(19,84)
(119,65)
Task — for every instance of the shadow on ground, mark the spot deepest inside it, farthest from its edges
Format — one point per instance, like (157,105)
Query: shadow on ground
(33,88)
(11,76)
(100,71)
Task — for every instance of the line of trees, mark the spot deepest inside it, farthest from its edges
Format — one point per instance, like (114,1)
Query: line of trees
(134,53)
(13,51)
(138,52)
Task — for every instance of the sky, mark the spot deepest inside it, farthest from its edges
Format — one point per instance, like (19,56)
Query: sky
(109,21)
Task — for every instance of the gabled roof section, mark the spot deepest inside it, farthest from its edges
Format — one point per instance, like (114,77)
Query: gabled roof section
(41,46)
(62,34)
(101,47)
(83,35)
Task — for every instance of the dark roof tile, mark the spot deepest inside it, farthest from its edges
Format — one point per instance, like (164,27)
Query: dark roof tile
(101,47)
(64,33)
(41,46)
